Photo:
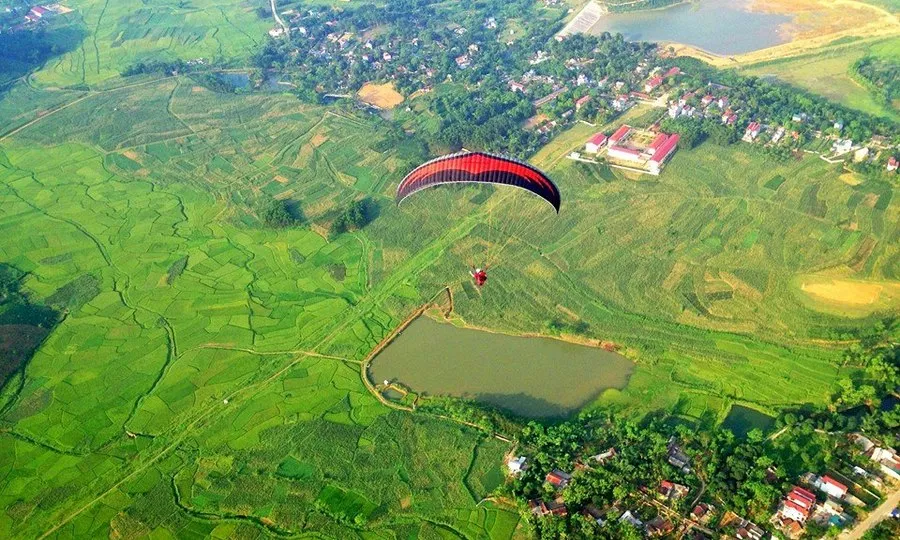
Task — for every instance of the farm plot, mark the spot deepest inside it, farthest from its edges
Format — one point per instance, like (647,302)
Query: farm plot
(125,32)
(206,379)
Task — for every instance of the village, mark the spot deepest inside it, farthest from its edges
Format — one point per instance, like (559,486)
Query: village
(830,500)
(22,17)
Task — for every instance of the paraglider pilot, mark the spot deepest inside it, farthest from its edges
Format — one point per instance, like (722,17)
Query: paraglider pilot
(479,275)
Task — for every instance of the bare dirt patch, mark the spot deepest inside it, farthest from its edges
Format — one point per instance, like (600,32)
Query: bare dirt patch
(383,96)
(845,292)
(318,139)
(851,179)
(280,179)
(132,155)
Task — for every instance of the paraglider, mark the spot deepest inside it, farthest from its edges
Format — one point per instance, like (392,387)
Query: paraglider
(479,168)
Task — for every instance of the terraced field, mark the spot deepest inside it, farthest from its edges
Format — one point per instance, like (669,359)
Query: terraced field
(123,32)
(208,382)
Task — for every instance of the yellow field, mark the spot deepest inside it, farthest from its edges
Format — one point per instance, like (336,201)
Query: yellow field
(383,96)
(836,293)
(817,23)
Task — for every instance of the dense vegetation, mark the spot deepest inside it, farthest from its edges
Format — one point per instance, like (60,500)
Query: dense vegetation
(24,324)
(205,380)
(747,476)
(879,75)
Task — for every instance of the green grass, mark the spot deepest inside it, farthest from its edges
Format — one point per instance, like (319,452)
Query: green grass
(124,32)
(827,73)
(205,381)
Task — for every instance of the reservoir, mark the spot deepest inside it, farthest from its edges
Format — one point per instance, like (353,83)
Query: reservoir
(722,27)
(531,377)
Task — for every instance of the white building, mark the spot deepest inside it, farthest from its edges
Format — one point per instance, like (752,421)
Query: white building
(517,465)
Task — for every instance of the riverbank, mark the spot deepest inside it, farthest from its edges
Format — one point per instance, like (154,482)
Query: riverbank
(817,25)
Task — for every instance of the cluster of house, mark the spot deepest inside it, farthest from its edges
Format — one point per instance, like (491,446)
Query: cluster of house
(710,107)
(558,480)
(801,505)
(33,14)
(623,148)
(887,460)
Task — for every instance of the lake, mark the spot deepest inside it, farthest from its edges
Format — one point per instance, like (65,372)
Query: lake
(531,377)
(722,27)
(741,420)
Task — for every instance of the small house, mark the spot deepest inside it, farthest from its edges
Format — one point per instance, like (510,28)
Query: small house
(517,465)
(558,479)
(832,487)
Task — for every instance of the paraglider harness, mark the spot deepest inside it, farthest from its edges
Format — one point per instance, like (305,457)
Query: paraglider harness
(480,276)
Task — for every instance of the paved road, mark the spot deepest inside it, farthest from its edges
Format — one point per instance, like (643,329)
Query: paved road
(875,517)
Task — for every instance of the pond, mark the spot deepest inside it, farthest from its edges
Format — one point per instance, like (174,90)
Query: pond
(531,377)
(718,26)
(240,80)
(741,420)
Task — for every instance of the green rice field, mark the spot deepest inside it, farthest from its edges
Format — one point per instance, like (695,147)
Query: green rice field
(207,380)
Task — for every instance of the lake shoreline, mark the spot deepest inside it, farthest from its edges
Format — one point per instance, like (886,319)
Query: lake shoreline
(428,360)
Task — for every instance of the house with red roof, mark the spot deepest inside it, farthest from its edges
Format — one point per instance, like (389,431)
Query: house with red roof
(558,478)
(653,83)
(752,132)
(832,487)
(595,143)
(581,102)
(516,86)
(663,152)
(623,153)
(892,164)
(707,99)
(671,490)
(620,134)
(672,72)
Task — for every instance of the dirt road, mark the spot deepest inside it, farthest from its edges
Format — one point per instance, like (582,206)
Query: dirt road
(875,517)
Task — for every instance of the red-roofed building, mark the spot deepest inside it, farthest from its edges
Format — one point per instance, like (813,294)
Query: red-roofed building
(653,83)
(558,478)
(38,11)
(707,99)
(626,154)
(516,86)
(580,102)
(672,72)
(620,134)
(752,131)
(892,164)
(595,143)
(803,497)
(792,510)
(663,152)
(660,138)
(832,487)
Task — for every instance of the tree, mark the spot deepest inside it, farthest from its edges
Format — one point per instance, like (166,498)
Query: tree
(275,213)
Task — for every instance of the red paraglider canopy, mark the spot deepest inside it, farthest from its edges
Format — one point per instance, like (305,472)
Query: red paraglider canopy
(479,167)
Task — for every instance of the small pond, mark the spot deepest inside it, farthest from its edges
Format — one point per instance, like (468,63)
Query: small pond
(741,420)
(531,377)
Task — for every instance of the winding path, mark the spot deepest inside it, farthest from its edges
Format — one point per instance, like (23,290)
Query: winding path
(286,28)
